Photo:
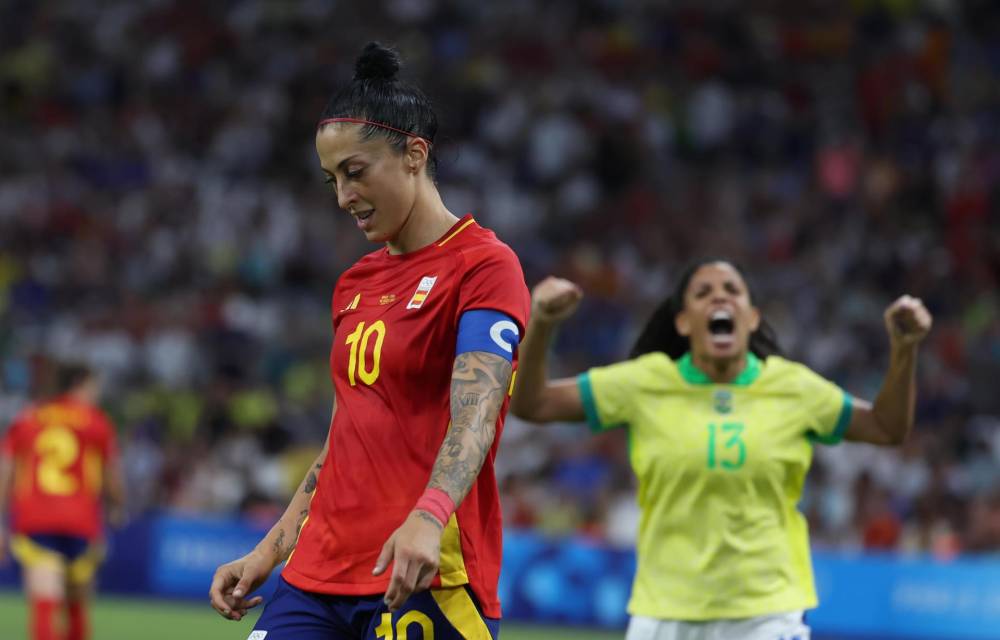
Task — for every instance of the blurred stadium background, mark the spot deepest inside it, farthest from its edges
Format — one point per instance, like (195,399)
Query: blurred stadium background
(163,217)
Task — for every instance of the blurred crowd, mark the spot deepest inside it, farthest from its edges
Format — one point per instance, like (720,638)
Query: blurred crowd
(163,217)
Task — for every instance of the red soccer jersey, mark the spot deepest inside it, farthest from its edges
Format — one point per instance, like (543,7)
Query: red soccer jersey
(59,450)
(395,321)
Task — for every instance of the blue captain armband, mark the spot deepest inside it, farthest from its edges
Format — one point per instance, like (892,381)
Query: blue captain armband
(487,330)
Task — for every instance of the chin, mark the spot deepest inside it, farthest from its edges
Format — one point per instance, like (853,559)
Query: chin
(717,352)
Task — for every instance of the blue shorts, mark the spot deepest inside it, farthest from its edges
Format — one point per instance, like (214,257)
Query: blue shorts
(69,547)
(438,614)
(77,556)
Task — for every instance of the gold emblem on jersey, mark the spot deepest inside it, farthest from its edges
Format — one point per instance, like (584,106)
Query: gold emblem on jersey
(423,290)
(387,299)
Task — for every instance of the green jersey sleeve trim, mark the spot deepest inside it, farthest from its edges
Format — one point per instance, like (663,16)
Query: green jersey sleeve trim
(589,405)
(842,423)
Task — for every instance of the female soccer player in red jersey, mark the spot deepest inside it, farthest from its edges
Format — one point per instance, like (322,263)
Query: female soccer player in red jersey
(396,530)
(58,460)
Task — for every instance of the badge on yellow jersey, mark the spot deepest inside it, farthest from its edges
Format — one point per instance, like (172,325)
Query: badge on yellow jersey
(723,401)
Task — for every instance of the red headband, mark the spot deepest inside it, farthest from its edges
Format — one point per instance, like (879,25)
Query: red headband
(373,124)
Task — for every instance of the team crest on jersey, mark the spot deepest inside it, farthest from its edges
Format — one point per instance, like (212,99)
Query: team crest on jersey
(423,290)
(387,299)
(723,401)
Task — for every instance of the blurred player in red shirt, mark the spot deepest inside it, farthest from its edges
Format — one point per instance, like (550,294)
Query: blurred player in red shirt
(425,337)
(58,459)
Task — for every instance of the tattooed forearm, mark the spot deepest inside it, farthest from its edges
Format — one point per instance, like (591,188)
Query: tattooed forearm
(479,381)
(280,541)
(283,537)
(279,545)
(310,484)
(469,400)
(283,549)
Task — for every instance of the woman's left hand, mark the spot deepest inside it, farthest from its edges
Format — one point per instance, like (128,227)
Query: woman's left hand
(908,321)
(414,550)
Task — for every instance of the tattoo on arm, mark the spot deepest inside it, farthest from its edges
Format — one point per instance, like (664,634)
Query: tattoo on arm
(312,479)
(479,381)
(282,549)
(279,545)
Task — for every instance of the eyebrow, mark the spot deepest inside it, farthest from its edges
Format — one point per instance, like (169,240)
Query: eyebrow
(340,165)
(725,283)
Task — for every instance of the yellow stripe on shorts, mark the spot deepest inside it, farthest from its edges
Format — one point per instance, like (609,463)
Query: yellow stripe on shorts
(461,612)
(80,571)
(31,554)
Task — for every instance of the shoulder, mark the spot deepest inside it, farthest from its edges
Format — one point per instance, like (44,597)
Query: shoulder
(479,245)
(362,269)
(654,361)
(788,372)
(364,264)
(654,368)
(22,421)
(100,419)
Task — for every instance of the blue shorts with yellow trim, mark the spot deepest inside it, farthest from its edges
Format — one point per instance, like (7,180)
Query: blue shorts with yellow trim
(438,614)
(77,556)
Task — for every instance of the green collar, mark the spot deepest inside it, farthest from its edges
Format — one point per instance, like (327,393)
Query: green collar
(694,375)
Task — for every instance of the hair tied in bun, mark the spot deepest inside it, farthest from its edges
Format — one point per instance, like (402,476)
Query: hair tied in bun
(377,62)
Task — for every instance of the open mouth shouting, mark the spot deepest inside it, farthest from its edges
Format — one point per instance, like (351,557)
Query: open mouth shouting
(722,328)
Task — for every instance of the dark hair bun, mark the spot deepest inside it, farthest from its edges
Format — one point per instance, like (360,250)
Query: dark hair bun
(377,62)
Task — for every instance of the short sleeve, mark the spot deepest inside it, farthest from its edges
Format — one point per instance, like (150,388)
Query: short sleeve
(108,438)
(7,441)
(493,280)
(828,407)
(608,394)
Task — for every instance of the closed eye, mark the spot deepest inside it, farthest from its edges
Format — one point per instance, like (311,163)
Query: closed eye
(330,180)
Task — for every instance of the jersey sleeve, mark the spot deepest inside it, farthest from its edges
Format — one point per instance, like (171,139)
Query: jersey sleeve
(493,280)
(7,441)
(9,438)
(827,406)
(608,394)
(109,441)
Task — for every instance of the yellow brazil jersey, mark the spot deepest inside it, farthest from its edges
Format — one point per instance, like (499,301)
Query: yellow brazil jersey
(720,470)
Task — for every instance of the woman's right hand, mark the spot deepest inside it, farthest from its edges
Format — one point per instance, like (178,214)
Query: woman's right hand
(236,580)
(554,299)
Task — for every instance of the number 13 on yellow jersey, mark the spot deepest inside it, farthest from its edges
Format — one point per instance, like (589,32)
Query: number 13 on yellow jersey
(726,448)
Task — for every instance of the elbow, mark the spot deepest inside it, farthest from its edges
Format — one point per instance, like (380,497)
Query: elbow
(530,410)
(522,410)
(900,437)
(894,435)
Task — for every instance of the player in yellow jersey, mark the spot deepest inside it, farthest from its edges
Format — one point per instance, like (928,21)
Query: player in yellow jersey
(721,432)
